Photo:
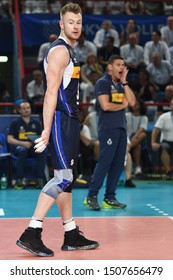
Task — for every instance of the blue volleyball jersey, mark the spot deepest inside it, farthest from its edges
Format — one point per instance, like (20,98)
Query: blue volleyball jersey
(65,133)
(110,119)
(67,95)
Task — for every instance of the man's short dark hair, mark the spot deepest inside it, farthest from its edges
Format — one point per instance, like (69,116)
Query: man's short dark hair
(114,57)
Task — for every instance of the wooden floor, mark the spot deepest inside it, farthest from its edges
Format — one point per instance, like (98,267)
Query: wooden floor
(142,231)
(130,238)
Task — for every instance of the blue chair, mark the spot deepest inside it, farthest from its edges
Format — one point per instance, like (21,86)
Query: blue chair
(5,121)
(3,144)
(5,159)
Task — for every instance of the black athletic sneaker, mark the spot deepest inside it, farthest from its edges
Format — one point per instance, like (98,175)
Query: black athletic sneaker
(112,204)
(129,184)
(169,175)
(74,240)
(31,241)
(19,184)
(91,202)
(40,183)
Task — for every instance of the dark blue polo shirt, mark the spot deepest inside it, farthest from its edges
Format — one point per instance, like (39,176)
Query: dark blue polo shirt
(18,128)
(110,119)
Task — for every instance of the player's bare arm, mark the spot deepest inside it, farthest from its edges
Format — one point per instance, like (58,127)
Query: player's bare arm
(58,59)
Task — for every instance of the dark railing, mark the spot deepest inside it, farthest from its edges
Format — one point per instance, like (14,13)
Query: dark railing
(81,104)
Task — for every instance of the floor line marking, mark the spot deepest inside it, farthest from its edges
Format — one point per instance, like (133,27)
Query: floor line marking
(160,211)
(2,212)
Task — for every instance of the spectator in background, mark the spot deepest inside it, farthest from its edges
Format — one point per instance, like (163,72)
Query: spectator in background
(147,91)
(95,7)
(131,28)
(134,8)
(22,145)
(88,90)
(161,71)
(6,9)
(153,7)
(91,66)
(91,120)
(137,124)
(163,126)
(114,7)
(89,149)
(167,97)
(167,32)
(105,52)
(54,6)
(82,47)
(168,8)
(171,54)
(43,48)
(5,97)
(156,45)
(133,55)
(35,7)
(106,30)
(16,105)
(35,88)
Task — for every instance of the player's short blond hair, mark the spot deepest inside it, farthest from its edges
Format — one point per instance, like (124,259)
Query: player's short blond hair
(70,7)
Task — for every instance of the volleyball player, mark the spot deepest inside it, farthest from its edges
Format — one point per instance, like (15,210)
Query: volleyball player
(61,130)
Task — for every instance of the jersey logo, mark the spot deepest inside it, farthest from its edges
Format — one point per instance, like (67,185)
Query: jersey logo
(117,97)
(72,162)
(22,135)
(33,126)
(109,142)
(76,72)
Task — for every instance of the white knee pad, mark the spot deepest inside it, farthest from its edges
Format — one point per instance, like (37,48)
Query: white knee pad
(61,180)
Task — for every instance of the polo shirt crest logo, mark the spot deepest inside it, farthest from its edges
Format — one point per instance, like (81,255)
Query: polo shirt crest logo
(33,126)
(109,142)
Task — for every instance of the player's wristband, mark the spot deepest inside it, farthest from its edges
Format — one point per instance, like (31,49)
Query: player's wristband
(125,84)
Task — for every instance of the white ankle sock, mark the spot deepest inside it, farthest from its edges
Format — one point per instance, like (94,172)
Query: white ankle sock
(35,223)
(69,224)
